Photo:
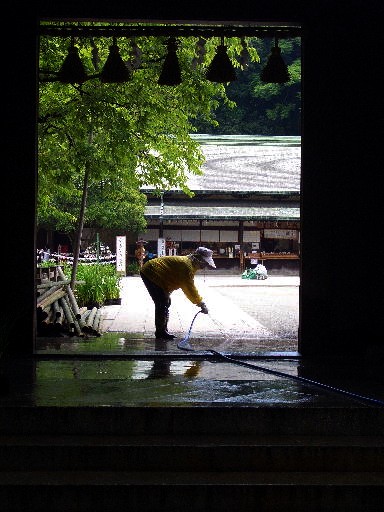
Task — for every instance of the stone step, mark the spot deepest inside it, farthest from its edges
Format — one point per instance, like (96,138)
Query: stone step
(79,491)
(197,420)
(192,453)
(157,459)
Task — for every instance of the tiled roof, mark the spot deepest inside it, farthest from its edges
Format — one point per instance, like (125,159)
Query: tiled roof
(249,163)
(265,165)
(268,211)
(249,168)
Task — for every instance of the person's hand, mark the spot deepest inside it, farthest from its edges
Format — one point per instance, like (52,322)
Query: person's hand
(203,308)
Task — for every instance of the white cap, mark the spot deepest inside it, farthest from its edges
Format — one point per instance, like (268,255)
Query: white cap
(206,255)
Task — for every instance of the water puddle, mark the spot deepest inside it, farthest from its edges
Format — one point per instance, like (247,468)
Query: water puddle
(162,382)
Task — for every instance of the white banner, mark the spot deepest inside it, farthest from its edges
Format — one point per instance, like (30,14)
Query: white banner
(161,246)
(121,254)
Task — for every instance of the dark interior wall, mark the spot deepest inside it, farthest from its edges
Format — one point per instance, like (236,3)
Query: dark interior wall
(341,207)
(18,180)
(341,203)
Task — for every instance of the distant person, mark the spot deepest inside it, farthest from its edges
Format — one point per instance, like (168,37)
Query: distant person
(46,253)
(165,274)
(140,252)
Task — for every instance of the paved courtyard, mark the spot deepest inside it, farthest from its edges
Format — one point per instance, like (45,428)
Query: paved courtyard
(243,314)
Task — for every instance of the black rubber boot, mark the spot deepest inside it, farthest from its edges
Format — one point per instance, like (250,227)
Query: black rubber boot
(164,335)
(170,336)
(161,321)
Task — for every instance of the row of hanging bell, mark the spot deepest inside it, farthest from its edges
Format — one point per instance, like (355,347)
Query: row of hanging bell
(220,70)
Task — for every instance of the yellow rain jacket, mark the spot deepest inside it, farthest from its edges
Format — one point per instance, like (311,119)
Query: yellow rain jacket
(172,273)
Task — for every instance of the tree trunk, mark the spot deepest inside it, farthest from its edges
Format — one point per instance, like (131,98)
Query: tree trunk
(77,240)
(78,235)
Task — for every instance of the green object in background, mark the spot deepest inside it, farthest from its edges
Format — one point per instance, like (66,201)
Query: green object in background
(260,272)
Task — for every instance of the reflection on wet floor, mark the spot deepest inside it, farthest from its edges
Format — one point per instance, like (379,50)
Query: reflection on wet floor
(121,369)
(156,382)
(162,381)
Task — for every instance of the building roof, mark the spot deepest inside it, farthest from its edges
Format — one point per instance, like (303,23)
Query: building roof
(248,163)
(245,163)
(225,211)
(260,167)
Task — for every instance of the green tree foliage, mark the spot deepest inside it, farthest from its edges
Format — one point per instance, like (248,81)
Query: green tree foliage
(262,109)
(123,136)
(99,143)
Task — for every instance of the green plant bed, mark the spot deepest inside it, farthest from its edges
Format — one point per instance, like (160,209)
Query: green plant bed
(101,282)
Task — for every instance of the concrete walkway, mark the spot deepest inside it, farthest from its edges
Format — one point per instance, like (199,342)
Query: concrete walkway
(227,318)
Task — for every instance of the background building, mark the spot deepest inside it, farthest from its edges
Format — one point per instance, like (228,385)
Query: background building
(246,204)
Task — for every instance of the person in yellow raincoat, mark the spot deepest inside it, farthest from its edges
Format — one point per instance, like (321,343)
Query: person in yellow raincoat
(165,274)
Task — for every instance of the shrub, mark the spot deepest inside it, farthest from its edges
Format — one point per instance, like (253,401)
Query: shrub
(101,282)
(111,285)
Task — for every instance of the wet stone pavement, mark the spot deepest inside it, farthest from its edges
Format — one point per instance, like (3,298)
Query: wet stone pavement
(254,323)
(164,380)
(244,314)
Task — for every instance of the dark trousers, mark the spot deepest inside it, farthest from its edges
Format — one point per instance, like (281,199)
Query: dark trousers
(162,301)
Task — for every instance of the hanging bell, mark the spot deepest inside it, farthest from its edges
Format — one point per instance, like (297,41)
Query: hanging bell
(114,70)
(275,71)
(221,69)
(170,73)
(72,70)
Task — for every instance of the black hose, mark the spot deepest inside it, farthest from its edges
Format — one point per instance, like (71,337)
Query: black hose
(185,345)
(304,380)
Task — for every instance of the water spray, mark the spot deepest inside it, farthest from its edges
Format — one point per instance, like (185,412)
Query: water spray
(184,343)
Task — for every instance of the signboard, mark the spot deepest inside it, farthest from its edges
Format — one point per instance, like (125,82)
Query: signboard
(121,254)
(281,233)
(161,247)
